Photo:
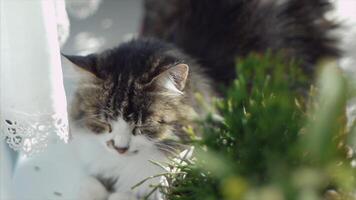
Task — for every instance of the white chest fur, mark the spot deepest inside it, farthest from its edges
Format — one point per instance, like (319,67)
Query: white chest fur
(128,168)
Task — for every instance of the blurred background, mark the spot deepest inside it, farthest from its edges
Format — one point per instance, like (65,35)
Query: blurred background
(95,25)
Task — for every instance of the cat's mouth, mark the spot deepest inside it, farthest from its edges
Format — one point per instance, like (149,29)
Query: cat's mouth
(121,150)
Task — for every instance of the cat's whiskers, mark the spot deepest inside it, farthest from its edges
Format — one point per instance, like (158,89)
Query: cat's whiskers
(165,147)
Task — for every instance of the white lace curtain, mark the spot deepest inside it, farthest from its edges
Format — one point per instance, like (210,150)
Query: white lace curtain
(32,99)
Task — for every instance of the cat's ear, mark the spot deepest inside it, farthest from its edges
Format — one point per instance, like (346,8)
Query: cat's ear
(174,78)
(87,63)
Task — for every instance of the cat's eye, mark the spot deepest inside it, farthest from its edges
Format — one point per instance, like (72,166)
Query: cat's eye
(161,121)
(109,128)
(96,129)
(136,131)
(99,127)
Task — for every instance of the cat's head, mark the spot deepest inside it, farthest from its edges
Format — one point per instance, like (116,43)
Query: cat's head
(132,95)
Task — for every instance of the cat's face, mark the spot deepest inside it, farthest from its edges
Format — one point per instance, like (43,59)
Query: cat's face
(132,95)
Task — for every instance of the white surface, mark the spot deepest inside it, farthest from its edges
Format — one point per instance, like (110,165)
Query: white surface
(53,174)
(346,14)
(6,169)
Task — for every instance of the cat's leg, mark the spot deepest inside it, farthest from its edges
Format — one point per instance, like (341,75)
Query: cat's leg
(122,196)
(92,189)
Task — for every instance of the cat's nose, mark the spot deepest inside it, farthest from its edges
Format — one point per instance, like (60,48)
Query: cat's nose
(119,149)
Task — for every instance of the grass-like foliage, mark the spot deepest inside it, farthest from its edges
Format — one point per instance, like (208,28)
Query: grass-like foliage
(277,138)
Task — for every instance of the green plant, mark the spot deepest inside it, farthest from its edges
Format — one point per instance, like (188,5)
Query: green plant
(275,140)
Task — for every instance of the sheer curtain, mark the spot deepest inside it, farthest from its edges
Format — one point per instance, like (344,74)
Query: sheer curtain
(32,99)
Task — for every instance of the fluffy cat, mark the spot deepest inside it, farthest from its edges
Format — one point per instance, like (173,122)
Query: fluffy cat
(131,108)
(215,33)
(136,99)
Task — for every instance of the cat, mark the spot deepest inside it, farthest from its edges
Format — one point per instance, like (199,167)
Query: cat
(131,108)
(135,101)
(216,33)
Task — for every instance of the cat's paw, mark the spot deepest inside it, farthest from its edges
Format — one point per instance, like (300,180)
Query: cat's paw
(122,196)
(92,189)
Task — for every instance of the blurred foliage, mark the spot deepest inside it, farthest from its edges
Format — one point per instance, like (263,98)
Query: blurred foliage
(273,140)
